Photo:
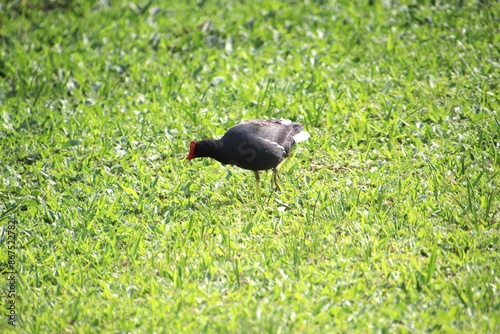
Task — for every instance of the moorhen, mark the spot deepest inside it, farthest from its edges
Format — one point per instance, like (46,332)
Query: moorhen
(255,145)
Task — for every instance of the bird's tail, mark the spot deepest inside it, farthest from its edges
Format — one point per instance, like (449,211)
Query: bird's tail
(299,134)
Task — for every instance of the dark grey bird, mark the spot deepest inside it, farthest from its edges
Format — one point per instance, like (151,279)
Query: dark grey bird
(254,145)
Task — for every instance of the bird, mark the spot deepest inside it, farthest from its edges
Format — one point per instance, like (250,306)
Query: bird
(255,145)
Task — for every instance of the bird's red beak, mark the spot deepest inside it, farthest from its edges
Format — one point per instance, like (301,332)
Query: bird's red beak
(191,150)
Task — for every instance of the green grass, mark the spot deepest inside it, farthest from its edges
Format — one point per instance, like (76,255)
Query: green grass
(388,218)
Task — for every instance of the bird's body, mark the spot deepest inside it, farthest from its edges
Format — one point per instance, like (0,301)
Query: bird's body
(254,145)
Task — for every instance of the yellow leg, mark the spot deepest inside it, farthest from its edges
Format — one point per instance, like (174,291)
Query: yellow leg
(257,177)
(276,176)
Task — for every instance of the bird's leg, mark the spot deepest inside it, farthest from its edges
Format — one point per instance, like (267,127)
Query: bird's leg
(276,176)
(257,177)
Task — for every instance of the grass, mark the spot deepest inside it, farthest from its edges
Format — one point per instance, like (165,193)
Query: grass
(388,218)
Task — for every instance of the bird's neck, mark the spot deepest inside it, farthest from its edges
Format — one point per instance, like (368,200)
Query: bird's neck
(211,149)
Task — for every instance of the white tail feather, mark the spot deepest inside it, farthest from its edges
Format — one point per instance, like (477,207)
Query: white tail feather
(285,121)
(301,136)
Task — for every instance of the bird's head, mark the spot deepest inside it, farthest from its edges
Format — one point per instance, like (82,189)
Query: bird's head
(191,155)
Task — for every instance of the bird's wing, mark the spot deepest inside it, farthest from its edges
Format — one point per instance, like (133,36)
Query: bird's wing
(275,130)
(280,132)
(271,131)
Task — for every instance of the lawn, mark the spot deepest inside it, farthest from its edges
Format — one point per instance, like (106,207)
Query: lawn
(388,218)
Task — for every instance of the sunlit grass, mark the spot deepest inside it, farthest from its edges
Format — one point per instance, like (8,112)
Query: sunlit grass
(388,216)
